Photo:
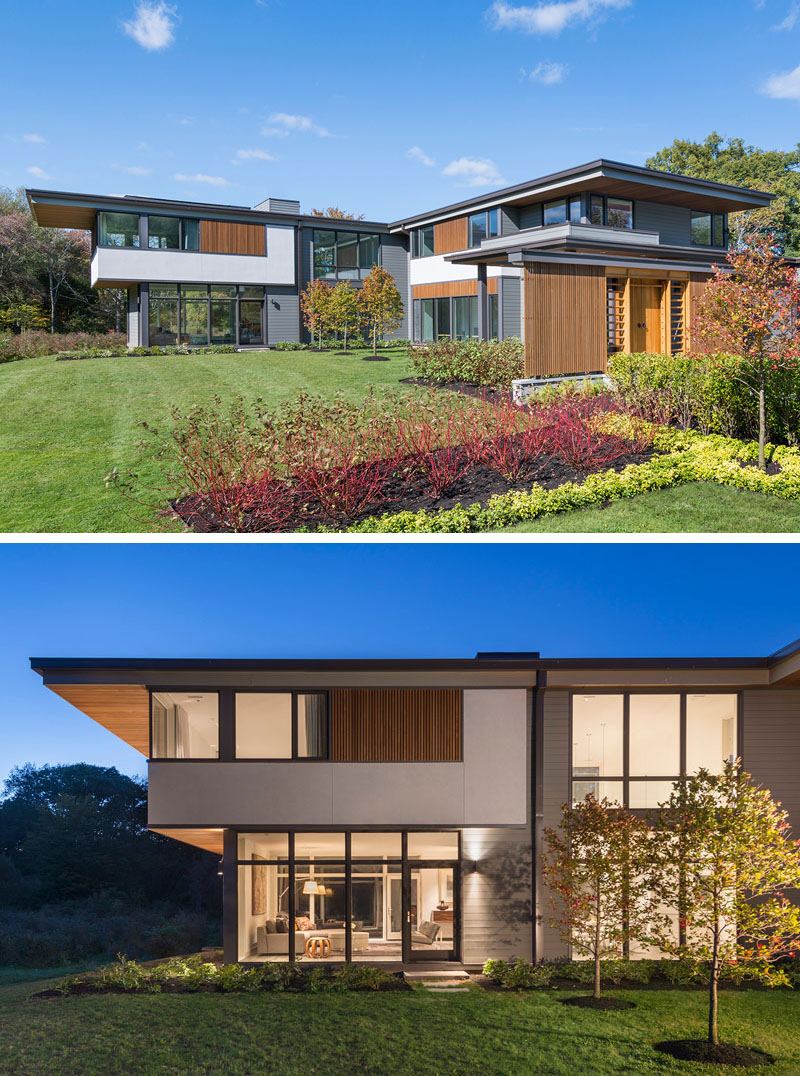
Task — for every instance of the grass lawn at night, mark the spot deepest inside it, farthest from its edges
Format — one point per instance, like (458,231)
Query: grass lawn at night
(499,1034)
(64,425)
(698,507)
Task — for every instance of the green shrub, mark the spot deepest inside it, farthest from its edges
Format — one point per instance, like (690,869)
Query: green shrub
(478,362)
(291,345)
(702,392)
(29,345)
(520,975)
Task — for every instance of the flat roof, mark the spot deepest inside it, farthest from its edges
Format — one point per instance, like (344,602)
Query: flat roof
(615,170)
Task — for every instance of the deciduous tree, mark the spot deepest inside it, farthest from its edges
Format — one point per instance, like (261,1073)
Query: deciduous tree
(749,308)
(381,304)
(595,865)
(345,309)
(725,857)
(335,213)
(315,302)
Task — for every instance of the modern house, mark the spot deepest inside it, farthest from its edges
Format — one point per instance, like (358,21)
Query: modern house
(392,811)
(600,258)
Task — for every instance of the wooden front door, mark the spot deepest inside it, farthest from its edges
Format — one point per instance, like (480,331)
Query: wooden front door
(645,317)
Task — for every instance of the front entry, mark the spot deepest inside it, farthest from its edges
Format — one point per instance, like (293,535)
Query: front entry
(431,905)
(645,317)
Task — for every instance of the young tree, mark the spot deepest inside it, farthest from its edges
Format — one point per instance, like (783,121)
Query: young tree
(381,304)
(750,310)
(345,309)
(595,865)
(724,845)
(316,305)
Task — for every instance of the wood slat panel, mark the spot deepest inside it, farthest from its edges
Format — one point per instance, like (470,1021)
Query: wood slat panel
(209,839)
(565,319)
(228,237)
(123,709)
(697,285)
(396,725)
(450,235)
(445,288)
(64,216)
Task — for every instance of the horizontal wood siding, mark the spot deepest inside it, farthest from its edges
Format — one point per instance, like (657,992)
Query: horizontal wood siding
(396,725)
(228,237)
(496,900)
(450,235)
(445,288)
(565,319)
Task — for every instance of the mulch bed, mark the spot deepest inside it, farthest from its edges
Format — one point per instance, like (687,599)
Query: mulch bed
(772,467)
(492,393)
(583,1001)
(725,1053)
(477,486)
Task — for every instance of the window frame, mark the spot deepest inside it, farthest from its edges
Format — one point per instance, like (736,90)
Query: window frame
(179,298)
(713,218)
(625,777)
(181,222)
(124,213)
(487,215)
(416,241)
(293,692)
(183,689)
(359,268)
(604,197)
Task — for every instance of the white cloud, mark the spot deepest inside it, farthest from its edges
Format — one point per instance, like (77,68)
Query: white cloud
(153,25)
(200,177)
(549,74)
(551,18)
(137,170)
(791,20)
(784,87)
(252,154)
(35,138)
(283,124)
(416,154)
(474,172)
(38,172)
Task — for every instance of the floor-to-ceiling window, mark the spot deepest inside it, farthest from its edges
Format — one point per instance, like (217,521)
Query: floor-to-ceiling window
(326,896)
(199,314)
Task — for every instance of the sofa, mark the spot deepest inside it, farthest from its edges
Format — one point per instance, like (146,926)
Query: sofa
(274,943)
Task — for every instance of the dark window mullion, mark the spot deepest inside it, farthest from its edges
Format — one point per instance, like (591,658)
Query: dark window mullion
(294,725)
(626,748)
(348,896)
(684,730)
(291,898)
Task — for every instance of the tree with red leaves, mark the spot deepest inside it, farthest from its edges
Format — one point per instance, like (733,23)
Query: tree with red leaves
(749,309)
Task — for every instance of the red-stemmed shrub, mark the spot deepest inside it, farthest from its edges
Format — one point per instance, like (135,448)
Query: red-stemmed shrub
(579,439)
(439,445)
(519,444)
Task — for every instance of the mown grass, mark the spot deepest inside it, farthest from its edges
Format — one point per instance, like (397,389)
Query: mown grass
(497,1034)
(699,507)
(65,425)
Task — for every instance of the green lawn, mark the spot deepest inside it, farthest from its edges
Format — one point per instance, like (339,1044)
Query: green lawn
(394,1034)
(64,425)
(699,507)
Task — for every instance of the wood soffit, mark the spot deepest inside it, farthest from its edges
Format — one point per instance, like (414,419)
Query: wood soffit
(123,709)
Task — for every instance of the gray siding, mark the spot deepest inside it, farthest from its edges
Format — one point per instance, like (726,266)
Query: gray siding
(530,216)
(395,259)
(771,745)
(670,221)
(511,288)
(554,793)
(496,918)
(509,220)
(283,315)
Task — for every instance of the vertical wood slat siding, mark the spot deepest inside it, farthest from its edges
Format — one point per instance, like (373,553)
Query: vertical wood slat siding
(565,319)
(228,237)
(697,285)
(395,725)
(445,288)
(450,235)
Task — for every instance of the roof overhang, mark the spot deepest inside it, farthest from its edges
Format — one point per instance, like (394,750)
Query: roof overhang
(611,178)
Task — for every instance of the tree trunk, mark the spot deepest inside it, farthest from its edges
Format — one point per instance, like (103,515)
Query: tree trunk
(713,1036)
(597,947)
(762,425)
(375,339)
(51,285)
(345,336)
(320,337)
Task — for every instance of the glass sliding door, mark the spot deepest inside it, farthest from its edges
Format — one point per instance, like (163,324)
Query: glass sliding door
(431,911)
(250,329)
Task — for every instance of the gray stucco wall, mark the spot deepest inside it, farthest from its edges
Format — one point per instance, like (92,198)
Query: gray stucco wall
(511,289)
(283,315)
(771,745)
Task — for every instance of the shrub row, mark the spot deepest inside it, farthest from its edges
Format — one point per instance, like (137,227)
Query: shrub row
(521,975)
(30,345)
(689,457)
(477,362)
(703,392)
(333,344)
(71,932)
(328,461)
(193,974)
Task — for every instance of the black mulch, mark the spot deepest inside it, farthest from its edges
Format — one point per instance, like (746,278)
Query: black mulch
(725,1053)
(467,388)
(772,467)
(583,1001)
(477,486)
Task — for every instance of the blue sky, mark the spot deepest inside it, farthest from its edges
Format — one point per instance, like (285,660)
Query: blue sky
(384,109)
(427,600)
